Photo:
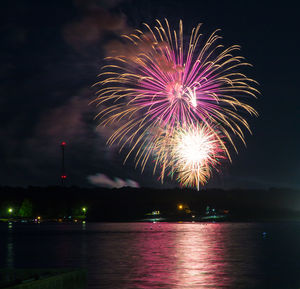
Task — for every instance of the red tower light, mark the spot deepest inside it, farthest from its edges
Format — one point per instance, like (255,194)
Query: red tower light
(63,173)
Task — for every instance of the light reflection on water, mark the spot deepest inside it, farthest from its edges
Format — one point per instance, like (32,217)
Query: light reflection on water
(185,256)
(10,247)
(201,259)
(160,255)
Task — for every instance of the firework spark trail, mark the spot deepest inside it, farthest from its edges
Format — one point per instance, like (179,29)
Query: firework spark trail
(157,84)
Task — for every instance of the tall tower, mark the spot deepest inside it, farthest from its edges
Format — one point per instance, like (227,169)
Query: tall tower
(63,173)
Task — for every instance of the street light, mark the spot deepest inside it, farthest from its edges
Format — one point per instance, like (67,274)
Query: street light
(10,210)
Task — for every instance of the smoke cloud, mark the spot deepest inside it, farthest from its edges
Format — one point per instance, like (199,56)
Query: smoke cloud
(95,22)
(103,180)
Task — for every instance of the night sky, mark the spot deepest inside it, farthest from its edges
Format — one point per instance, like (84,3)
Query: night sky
(52,51)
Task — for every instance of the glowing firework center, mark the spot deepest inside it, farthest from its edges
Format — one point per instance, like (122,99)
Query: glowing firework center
(195,152)
(194,148)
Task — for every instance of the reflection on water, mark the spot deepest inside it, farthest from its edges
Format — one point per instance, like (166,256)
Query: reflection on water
(10,247)
(187,256)
(161,255)
(201,259)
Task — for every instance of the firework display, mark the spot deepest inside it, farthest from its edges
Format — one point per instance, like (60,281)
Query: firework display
(194,152)
(179,103)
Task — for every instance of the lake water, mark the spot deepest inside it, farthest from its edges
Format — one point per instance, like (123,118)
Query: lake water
(161,255)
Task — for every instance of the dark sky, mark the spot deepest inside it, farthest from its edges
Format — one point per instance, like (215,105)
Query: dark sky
(51,53)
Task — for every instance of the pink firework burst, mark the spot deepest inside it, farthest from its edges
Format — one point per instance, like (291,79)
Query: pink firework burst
(155,83)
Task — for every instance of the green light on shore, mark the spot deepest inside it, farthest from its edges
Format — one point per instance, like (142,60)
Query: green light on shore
(10,210)
(84,209)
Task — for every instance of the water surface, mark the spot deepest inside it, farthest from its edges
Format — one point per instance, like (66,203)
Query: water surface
(161,255)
